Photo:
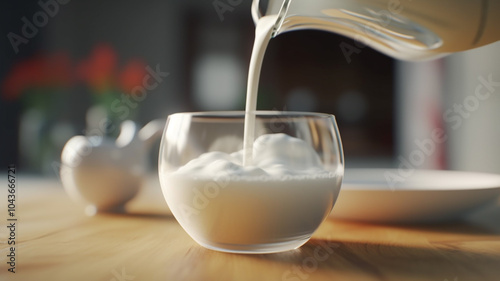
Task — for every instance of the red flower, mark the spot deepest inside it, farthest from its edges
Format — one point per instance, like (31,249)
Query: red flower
(99,71)
(40,71)
(23,75)
(99,68)
(132,75)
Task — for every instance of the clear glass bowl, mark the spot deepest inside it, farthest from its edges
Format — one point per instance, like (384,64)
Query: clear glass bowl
(273,205)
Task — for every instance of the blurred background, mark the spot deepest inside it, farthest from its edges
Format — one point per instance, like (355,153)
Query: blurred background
(68,65)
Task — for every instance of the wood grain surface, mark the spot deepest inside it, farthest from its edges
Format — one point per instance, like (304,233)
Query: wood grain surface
(56,241)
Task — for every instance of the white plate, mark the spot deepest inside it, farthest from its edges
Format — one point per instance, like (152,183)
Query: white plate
(423,196)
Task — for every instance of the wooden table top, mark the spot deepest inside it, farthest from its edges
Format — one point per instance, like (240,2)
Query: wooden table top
(56,241)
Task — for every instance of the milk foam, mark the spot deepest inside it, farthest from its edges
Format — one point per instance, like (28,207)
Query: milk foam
(276,156)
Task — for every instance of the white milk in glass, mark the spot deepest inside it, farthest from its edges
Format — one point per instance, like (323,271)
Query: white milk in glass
(281,197)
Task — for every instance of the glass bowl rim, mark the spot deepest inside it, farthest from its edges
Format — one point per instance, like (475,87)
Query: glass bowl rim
(258,113)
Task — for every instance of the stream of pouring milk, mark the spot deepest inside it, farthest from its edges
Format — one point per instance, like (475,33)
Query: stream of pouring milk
(263,32)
